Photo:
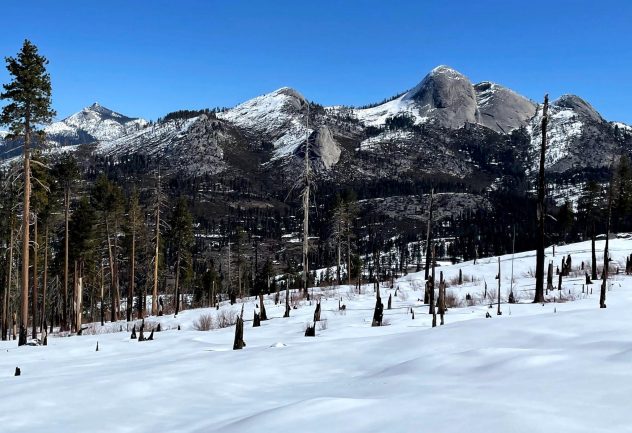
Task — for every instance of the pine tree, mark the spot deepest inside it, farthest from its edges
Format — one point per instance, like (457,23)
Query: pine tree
(29,96)
(181,240)
(65,172)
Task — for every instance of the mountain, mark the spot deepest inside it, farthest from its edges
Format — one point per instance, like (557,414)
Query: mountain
(447,98)
(277,118)
(93,123)
(445,127)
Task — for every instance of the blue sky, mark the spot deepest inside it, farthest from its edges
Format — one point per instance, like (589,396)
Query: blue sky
(147,58)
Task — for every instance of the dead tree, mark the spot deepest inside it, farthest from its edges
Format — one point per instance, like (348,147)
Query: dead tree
(141,335)
(498,312)
(428,238)
(310,330)
(549,279)
(239,331)
(442,298)
(433,310)
(317,313)
(287,299)
(539,266)
(606,261)
(262,308)
(378,313)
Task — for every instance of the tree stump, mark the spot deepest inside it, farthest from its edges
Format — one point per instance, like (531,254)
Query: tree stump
(389,302)
(317,313)
(256,321)
(310,331)
(133,336)
(239,332)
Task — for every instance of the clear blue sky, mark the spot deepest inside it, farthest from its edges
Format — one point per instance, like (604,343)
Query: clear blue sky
(146,58)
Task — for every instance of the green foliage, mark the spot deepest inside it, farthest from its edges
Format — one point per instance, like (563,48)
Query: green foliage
(29,92)
(82,233)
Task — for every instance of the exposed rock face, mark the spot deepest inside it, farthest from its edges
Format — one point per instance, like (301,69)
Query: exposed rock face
(325,148)
(447,97)
(579,106)
(501,109)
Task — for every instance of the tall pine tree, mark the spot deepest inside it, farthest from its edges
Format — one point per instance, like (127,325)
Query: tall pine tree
(29,96)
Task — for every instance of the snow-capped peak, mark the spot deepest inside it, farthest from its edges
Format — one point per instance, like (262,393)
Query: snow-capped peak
(96,122)
(277,117)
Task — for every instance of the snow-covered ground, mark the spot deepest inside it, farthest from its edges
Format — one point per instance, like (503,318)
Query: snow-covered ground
(557,367)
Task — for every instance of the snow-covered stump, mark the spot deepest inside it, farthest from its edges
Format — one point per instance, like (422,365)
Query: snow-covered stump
(239,331)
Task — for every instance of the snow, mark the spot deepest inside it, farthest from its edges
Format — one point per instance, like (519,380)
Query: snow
(276,116)
(101,123)
(376,116)
(557,367)
(623,126)
(563,128)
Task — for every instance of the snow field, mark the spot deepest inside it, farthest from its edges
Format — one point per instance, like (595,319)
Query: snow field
(558,367)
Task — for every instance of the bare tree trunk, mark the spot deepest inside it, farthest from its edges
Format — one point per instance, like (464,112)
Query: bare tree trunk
(498,312)
(339,253)
(24,311)
(64,319)
(428,238)
(239,331)
(606,259)
(45,280)
(594,255)
(132,282)
(75,289)
(433,311)
(79,301)
(177,297)
(287,298)
(154,293)
(306,209)
(34,302)
(539,265)
(113,276)
(102,303)
(7,289)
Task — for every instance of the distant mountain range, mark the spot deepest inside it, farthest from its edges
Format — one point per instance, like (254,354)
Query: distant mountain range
(445,124)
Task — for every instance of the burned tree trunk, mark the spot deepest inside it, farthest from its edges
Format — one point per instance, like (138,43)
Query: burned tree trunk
(606,259)
(549,279)
(433,311)
(310,331)
(262,308)
(539,266)
(378,313)
(317,313)
(239,331)
(498,312)
(428,239)
(593,262)
(442,298)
